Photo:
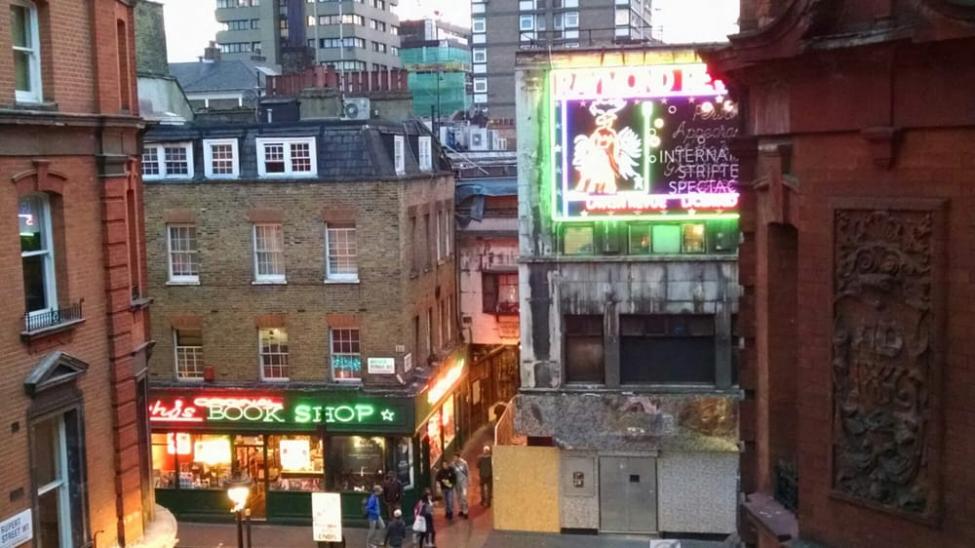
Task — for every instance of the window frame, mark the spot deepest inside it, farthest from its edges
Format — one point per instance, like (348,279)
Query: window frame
(526,22)
(479,55)
(448,232)
(332,353)
(208,158)
(181,279)
(480,85)
(62,483)
(268,278)
(48,252)
(569,337)
(399,154)
(160,151)
(176,357)
(33,51)
(478,22)
(344,277)
(425,152)
(261,354)
(286,142)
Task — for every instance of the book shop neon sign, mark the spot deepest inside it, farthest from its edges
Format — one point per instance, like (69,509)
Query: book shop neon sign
(265,410)
(641,142)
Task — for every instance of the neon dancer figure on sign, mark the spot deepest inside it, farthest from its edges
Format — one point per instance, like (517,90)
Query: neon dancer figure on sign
(605,155)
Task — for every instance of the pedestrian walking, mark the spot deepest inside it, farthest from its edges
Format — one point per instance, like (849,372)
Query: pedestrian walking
(463,472)
(396,531)
(376,525)
(423,521)
(486,470)
(447,479)
(392,494)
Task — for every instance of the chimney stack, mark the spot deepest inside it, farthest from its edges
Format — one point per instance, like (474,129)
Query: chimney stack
(211,52)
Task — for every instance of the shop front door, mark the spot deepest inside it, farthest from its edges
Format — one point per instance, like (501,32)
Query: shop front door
(627,494)
(249,460)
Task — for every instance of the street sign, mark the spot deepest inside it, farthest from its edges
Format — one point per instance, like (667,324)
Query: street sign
(326,517)
(383,366)
(16,530)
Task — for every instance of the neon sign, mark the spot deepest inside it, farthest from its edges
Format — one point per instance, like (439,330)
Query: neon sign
(445,383)
(178,411)
(359,413)
(215,409)
(641,141)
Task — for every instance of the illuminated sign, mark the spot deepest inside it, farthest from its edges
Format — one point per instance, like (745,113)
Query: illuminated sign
(446,382)
(641,141)
(289,409)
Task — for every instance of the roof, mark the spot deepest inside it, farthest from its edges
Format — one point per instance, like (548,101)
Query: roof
(352,150)
(216,76)
(507,186)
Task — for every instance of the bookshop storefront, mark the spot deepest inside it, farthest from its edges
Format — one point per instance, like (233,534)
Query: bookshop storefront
(287,442)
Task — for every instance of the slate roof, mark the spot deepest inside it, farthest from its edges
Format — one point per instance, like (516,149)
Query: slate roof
(346,150)
(224,75)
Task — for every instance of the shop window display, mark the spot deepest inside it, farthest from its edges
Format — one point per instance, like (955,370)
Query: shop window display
(193,461)
(357,463)
(447,420)
(295,463)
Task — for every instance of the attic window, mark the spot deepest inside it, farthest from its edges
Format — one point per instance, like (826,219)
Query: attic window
(399,154)
(286,157)
(168,161)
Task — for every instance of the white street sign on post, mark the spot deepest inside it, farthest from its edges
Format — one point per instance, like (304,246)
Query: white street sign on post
(326,517)
(16,530)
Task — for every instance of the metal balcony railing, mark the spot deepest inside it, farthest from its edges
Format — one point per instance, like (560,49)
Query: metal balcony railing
(35,321)
(786,486)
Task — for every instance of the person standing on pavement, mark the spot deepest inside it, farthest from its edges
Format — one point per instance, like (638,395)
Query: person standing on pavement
(392,494)
(376,524)
(424,509)
(447,479)
(486,470)
(463,472)
(396,531)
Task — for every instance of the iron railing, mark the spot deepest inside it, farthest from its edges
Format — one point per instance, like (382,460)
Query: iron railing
(35,321)
(786,477)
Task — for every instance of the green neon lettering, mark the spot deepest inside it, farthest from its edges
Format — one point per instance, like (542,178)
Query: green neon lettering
(302,413)
(252,412)
(329,414)
(216,413)
(227,413)
(344,413)
(364,411)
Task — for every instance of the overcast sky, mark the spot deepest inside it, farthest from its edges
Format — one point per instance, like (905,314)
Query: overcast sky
(190,24)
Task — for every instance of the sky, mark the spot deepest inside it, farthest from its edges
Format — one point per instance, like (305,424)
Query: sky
(190,24)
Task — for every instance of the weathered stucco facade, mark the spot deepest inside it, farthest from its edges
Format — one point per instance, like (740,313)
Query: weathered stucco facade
(686,431)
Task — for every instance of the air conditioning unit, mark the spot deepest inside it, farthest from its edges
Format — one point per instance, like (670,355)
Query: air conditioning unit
(479,139)
(356,108)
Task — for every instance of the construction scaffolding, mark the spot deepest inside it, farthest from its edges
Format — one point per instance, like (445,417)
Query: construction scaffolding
(437,79)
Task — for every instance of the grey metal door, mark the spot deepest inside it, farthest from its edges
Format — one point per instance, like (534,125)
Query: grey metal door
(627,494)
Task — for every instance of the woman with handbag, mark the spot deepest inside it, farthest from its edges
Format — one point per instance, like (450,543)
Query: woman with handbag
(423,521)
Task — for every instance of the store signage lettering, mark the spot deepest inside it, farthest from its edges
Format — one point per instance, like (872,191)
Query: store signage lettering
(177,411)
(445,383)
(247,409)
(266,409)
(360,413)
(642,141)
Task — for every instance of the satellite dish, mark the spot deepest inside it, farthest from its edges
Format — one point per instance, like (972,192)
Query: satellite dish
(249,98)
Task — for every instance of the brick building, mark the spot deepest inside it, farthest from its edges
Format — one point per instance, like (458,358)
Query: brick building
(74,326)
(856,270)
(305,285)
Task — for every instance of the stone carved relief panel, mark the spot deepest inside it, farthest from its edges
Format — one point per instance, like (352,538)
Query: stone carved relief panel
(885,328)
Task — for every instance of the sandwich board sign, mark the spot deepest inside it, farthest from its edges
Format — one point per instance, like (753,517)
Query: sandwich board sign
(326,517)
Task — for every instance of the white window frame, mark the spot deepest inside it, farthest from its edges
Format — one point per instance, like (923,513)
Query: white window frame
(480,98)
(448,232)
(332,354)
(160,151)
(479,55)
(436,234)
(526,22)
(189,279)
(479,39)
(480,85)
(571,20)
(61,482)
(478,25)
(208,145)
(621,17)
(33,51)
(425,152)
(477,8)
(480,68)
(526,5)
(399,154)
(193,352)
(276,278)
(286,142)
(345,277)
(50,272)
(261,355)
(570,3)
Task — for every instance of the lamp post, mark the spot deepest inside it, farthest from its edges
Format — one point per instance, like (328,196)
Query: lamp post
(238,491)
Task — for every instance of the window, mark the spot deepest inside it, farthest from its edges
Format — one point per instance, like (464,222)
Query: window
(170,160)
(26,51)
(499,293)
(571,19)
(526,5)
(184,265)
(437,236)
(429,242)
(346,360)
(286,157)
(570,3)
(37,253)
(480,98)
(188,354)
(268,253)
(273,349)
(426,153)
(204,461)
(56,466)
(478,24)
(667,348)
(399,154)
(639,239)
(479,55)
(430,330)
(295,462)
(477,8)
(480,69)
(442,315)
(220,158)
(526,22)
(583,356)
(448,225)
(341,263)
(357,463)
(578,240)
(480,85)
(693,238)
(666,239)
(479,39)
(622,16)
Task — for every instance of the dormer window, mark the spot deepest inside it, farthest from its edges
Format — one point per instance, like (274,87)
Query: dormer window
(286,157)
(167,161)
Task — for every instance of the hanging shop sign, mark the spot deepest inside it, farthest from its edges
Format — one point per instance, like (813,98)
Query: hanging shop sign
(298,409)
(446,382)
(642,142)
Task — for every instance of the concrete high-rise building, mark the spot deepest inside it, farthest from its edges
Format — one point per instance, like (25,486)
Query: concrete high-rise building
(360,35)
(502,27)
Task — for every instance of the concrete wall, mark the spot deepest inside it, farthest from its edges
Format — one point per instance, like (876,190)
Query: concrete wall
(526,489)
(484,328)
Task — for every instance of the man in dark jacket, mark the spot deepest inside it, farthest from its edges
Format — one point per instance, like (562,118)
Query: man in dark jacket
(447,478)
(486,471)
(396,531)
(392,494)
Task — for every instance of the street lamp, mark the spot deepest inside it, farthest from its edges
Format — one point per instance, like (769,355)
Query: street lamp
(238,491)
